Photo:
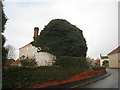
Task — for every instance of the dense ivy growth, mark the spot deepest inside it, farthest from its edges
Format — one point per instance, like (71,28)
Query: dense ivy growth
(61,38)
(3,19)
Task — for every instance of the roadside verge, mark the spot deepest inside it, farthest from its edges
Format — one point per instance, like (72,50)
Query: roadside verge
(72,81)
(79,83)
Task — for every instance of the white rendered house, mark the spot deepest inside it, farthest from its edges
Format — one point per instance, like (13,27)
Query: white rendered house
(42,58)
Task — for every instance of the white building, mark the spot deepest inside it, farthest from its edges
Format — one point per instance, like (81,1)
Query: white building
(42,58)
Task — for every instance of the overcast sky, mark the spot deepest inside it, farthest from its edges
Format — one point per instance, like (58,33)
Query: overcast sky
(98,19)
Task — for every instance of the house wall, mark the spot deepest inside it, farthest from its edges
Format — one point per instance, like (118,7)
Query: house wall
(114,60)
(28,50)
(101,61)
(42,58)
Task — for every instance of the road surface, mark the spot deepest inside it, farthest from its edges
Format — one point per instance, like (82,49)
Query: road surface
(108,82)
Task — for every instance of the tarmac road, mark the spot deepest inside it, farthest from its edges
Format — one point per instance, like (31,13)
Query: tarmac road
(108,82)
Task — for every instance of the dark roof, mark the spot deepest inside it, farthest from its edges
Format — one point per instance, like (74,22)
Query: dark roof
(104,57)
(11,59)
(8,62)
(15,63)
(117,50)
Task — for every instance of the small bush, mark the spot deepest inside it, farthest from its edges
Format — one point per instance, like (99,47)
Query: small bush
(98,68)
(25,61)
(28,62)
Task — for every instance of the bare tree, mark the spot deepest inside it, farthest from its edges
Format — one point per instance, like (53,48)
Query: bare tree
(11,52)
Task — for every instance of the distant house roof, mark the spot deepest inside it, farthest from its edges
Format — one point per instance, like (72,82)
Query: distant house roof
(8,62)
(117,50)
(103,57)
(16,63)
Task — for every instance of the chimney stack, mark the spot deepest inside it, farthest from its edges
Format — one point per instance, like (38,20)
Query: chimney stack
(36,30)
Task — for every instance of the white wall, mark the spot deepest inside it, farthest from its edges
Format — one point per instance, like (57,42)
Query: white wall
(42,58)
(28,50)
(101,61)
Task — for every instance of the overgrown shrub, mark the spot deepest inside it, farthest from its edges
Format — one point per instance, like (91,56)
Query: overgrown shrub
(59,37)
